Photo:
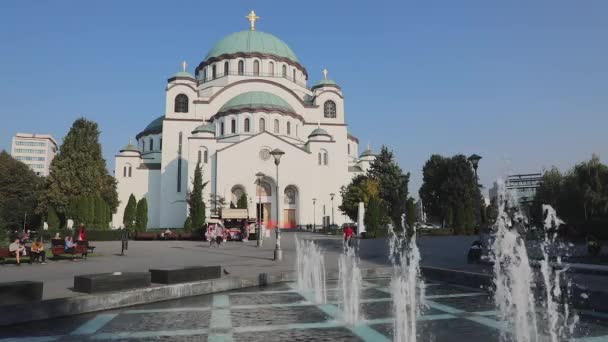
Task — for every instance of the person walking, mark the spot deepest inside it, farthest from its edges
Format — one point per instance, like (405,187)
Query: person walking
(219,234)
(348,235)
(210,234)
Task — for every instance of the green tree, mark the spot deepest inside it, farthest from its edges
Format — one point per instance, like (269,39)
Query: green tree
(128,219)
(52,219)
(410,215)
(393,184)
(375,217)
(79,170)
(242,202)
(361,189)
(188,224)
(195,200)
(19,192)
(141,219)
(450,193)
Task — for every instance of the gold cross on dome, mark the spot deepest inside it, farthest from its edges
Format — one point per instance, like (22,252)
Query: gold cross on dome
(252,17)
(184,66)
(325,73)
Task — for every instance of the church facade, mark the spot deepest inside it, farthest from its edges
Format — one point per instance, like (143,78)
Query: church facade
(248,97)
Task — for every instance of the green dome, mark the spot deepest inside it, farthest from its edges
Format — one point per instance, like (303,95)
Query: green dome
(206,128)
(257,100)
(153,127)
(367,153)
(318,131)
(129,148)
(252,41)
(183,74)
(325,82)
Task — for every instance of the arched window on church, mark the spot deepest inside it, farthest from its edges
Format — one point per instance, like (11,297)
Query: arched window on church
(271,69)
(222,128)
(241,67)
(199,157)
(323,157)
(213,72)
(256,68)
(151,144)
(262,125)
(233,126)
(124,171)
(205,74)
(294,75)
(297,130)
(284,73)
(226,68)
(205,156)
(288,128)
(246,124)
(181,103)
(329,109)
(130,168)
(276,126)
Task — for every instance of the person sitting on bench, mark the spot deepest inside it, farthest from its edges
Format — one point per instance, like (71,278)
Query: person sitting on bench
(70,247)
(15,249)
(38,253)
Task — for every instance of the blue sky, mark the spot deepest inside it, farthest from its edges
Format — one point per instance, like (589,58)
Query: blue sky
(522,83)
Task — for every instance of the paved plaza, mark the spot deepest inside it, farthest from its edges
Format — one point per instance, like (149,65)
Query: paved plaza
(282,313)
(243,259)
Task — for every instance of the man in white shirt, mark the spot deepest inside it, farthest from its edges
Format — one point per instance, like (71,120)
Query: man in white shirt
(16,248)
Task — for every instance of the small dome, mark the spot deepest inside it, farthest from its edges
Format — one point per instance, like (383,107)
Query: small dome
(367,153)
(184,74)
(325,83)
(255,100)
(317,132)
(251,42)
(206,128)
(129,148)
(154,127)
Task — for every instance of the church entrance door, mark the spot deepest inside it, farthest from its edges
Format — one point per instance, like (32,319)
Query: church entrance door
(289,215)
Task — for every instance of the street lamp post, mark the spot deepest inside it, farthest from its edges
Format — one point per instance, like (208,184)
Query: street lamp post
(474,159)
(278,253)
(332,207)
(258,234)
(314,214)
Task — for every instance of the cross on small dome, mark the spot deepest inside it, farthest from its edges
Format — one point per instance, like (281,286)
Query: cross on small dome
(252,17)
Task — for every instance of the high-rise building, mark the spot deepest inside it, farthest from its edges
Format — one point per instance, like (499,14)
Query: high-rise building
(35,150)
(522,187)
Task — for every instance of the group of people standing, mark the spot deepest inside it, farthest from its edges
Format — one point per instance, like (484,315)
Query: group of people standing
(216,234)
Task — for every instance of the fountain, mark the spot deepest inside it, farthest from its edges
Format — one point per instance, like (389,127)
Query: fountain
(515,285)
(311,270)
(350,286)
(407,287)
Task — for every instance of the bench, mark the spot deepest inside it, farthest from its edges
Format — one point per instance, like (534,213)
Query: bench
(18,292)
(186,274)
(90,248)
(78,249)
(6,254)
(105,282)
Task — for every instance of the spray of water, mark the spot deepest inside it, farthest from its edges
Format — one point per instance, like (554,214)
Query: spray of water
(350,286)
(531,317)
(311,270)
(407,287)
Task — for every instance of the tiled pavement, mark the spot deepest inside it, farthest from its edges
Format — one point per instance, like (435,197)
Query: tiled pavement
(280,313)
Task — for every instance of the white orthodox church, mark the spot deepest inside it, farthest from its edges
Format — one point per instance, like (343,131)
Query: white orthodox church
(248,97)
